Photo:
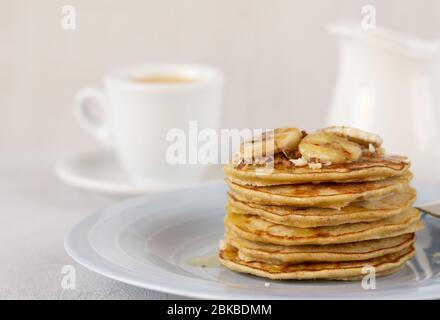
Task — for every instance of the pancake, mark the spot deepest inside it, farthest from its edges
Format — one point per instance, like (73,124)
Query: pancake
(255,228)
(360,211)
(320,205)
(355,251)
(350,270)
(324,195)
(285,172)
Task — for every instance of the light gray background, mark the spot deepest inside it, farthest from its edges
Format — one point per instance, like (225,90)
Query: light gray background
(277,57)
(280,66)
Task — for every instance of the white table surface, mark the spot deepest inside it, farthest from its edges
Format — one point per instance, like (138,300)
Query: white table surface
(37,210)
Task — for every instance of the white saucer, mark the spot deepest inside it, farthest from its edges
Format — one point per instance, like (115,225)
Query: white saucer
(100,172)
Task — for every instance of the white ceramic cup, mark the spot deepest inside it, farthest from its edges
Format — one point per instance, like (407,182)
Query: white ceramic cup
(136,116)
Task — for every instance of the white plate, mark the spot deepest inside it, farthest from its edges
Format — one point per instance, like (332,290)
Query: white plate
(148,243)
(99,171)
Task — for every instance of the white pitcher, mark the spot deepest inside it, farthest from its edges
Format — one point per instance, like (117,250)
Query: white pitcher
(384,86)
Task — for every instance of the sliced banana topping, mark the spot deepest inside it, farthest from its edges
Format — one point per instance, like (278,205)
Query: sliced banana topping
(287,140)
(327,147)
(332,145)
(356,135)
(284,140)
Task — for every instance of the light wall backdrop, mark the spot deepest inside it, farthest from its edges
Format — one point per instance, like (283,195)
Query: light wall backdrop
(279,61)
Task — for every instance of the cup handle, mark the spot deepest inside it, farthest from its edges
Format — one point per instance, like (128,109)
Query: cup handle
(85,101)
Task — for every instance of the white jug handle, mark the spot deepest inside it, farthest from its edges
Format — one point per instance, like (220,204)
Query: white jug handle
(85,100)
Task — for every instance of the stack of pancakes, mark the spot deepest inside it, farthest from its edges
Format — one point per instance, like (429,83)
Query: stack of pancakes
(319,206)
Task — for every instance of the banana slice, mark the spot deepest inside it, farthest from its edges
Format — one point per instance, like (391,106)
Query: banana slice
(287,140)
(329,148)
(284,140)
(356,135)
